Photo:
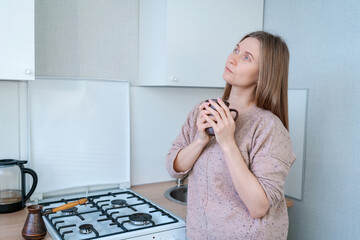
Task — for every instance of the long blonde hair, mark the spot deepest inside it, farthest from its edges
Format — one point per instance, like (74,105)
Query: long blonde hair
(272,90)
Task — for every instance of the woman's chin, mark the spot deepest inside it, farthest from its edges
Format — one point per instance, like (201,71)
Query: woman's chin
(228,80)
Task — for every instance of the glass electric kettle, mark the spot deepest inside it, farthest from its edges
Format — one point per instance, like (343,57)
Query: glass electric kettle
(12,185)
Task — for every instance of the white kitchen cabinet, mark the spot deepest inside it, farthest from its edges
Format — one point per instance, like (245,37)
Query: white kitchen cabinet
(17,44)
(186,42)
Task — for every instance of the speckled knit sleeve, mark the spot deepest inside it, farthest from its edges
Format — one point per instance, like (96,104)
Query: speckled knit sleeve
(271,157)
(185,137)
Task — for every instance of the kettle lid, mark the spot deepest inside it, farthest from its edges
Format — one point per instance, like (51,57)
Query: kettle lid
(6,162)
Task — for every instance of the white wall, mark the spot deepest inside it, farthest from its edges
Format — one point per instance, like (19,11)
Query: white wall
(157,114)
(323,38)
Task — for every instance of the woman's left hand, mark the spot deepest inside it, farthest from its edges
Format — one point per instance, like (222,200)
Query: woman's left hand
(224,124)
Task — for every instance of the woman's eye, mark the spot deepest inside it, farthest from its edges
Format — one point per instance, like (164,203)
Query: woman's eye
(246,58)
(236,50)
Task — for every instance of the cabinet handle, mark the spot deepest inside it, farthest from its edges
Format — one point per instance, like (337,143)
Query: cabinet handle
(27,71)
(173,79)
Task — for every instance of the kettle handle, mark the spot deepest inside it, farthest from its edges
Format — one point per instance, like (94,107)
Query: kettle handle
(35,181)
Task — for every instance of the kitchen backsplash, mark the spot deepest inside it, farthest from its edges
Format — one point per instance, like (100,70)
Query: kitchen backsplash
(156,116)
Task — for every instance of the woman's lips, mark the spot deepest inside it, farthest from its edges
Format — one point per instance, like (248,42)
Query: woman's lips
(228,69)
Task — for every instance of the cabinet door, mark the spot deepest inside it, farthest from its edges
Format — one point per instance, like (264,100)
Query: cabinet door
(200,34)
(17,57)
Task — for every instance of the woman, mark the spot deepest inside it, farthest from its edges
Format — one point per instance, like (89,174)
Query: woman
(236,179)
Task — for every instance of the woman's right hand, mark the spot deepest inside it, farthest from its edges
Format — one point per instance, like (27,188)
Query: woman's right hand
(187,156)
(202,124)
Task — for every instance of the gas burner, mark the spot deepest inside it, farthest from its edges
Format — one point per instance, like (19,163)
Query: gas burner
(118,202)
(70,211)
(86,228)
(140,218)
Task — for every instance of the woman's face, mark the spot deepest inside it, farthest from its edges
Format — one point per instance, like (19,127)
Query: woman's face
(242,65)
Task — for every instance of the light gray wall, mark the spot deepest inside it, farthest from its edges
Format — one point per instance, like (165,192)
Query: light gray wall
(324,41)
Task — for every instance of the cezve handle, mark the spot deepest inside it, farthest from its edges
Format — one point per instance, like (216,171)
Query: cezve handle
(69,205)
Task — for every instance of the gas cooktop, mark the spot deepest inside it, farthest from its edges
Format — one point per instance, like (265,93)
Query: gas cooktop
(113,214)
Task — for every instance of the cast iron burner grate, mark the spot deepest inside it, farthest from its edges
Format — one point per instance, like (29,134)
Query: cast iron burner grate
(87,229)
(70,211)
(140,219)
(118,203)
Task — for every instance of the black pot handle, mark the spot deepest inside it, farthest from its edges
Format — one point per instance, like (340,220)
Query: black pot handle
(35,181)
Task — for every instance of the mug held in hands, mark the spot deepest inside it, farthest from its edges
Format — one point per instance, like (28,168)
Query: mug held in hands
(210,130)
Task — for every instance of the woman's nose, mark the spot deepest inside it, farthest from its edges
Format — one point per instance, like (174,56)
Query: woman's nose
(232,60)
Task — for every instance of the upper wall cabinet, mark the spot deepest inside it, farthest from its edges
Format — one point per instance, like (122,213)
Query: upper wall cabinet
(17,44)
(186,42)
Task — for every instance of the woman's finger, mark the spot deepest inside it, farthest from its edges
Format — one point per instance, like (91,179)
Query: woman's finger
(219,109)
(202,106)
(202,124)
(207,112)
(209,121)
(202,120)
(213,115)
(224,107)
(212,124)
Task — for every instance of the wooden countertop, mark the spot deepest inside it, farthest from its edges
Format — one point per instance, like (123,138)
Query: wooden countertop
(155,192)
(11,224)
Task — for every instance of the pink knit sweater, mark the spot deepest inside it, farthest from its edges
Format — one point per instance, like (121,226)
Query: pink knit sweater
(214,209)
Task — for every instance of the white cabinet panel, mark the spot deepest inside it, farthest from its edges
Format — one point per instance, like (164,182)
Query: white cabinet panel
(186,43)
(17,44)
(297,129)
(13,120)
(80,131)
(9,120)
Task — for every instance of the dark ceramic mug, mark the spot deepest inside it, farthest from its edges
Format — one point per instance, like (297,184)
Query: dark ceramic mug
(210,130)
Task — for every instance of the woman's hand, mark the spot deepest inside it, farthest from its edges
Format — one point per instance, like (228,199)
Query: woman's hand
(202,124)
(222,122)
(187,156)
